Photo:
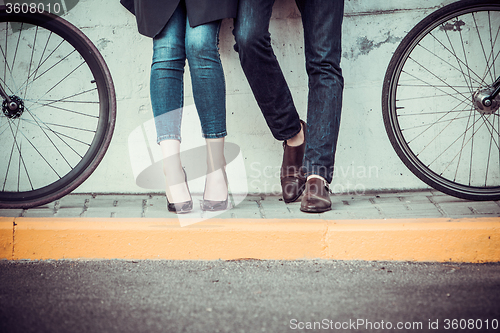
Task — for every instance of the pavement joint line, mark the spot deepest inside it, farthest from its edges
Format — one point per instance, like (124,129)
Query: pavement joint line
(261,208)
(438,206)
(144,207)
(405,205)
(474,211)
(86,205)
(377,207)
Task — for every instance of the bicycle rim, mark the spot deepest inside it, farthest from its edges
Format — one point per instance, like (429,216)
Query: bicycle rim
(64,127)
(430,100)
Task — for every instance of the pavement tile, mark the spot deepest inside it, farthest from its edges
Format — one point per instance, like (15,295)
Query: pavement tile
(156,207)
(116,206)
(457,209)
(40,211)
(273,207)
(73,205)
(11,212)
(484,207)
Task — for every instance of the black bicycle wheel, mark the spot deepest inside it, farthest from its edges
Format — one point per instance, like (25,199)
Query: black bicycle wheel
(64,113)
(431,100)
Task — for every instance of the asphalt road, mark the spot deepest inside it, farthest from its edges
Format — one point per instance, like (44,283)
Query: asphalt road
(248,296)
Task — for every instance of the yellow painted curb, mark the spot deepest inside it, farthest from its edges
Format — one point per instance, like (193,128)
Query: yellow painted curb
(6,234)
(458,240)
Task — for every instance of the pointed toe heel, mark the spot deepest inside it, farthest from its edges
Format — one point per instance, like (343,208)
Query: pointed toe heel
(213,206)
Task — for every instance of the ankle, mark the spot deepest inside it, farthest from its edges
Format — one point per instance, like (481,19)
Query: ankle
(298,139)
(216,187)
(318,177)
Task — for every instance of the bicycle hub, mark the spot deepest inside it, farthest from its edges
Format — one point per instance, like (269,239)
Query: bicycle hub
(483,102)
(14,108)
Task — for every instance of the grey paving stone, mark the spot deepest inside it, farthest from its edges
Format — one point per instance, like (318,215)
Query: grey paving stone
(40,211)
(484,207)
(11,212)
(156,207)
(116,206)
(411,204)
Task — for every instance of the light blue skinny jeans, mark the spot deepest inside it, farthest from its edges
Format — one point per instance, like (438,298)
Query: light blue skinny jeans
(199,45)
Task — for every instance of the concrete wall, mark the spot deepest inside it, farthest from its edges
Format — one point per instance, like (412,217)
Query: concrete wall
(365,159)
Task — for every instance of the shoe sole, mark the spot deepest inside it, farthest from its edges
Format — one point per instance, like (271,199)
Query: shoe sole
(315,210)
(297,197)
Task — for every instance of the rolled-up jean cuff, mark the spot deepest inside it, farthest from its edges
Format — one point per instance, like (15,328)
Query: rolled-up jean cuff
(215,136)
(168,137)
(293,135)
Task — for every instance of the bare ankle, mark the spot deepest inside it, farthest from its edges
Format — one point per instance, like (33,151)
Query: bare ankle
(298,139)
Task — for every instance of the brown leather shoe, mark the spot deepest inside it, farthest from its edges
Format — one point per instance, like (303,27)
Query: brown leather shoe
(292,179)
(316,197)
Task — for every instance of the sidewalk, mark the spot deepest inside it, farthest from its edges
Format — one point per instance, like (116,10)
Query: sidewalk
(416,226)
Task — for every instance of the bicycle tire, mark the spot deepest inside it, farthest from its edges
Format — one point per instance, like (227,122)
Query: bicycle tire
(51,134)
(429,100)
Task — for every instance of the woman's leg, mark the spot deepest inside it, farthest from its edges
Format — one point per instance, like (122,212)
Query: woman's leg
(166,86)
(176,187)
(207,77)
(216,182)
(209,94)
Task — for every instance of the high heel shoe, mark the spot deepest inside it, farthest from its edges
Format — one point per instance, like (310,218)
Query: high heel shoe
(213,205)
(181,207)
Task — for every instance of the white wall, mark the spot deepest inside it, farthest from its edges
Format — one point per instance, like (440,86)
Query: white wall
(365,159)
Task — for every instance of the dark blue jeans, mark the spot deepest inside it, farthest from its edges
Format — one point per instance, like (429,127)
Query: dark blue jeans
(177,42)
(322,22)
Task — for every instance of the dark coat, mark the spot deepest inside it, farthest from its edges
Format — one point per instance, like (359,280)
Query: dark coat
(152,15)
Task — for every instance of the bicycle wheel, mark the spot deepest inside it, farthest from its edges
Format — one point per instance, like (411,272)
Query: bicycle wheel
(65,115)
(431,100)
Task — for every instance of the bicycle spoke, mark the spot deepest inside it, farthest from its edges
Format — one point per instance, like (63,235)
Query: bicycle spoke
(429,125)
(7,68)
(64,126)
(40,62)
(17,46)
(31,59)
(6,86)
(58,134)
(41,155)
(466,62)
(14,144)
(449,146)
(64,78)
(454,55)
(35,72)
(64,99)
(489,155)
(439,89)
(482,48)
(446,62)
(449,122)
(428,113)
(492,43)
(464,143)
(63,109)
(428,97)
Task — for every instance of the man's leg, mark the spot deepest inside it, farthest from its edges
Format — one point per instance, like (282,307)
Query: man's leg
(322,21)
(253,43)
